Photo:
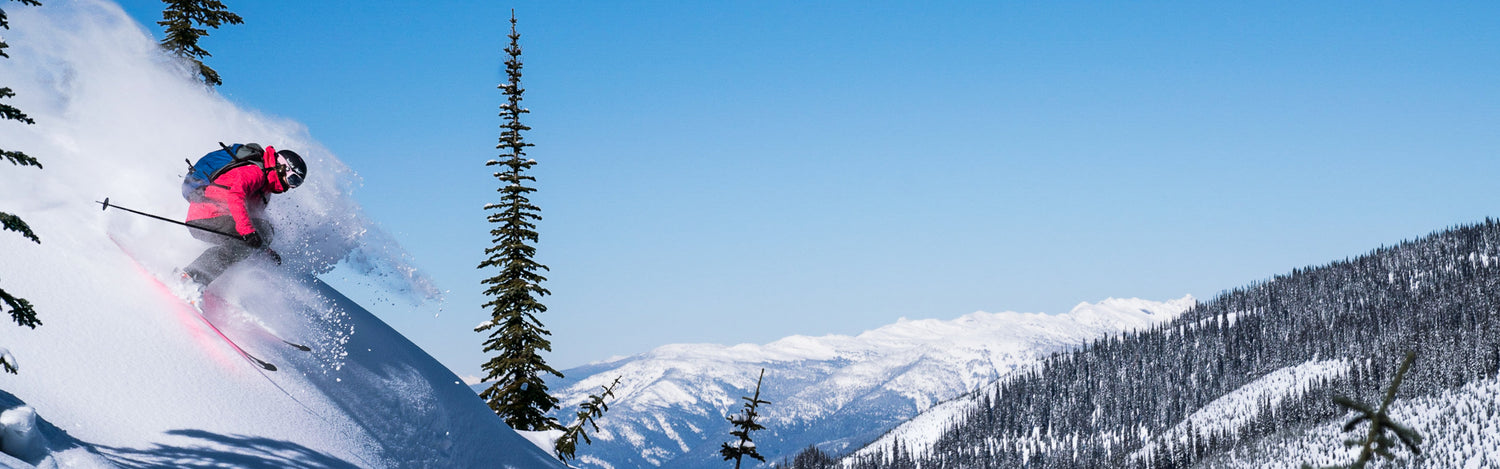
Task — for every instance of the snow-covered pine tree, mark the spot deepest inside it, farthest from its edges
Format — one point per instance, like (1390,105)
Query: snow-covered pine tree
(809,458)
(518,393)
(181,19)
(20,309)
(744,423)
(566,446)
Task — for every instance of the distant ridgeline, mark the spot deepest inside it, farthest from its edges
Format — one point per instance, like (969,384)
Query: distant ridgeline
(1165,397)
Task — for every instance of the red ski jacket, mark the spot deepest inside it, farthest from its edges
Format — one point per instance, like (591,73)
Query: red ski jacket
(244,192)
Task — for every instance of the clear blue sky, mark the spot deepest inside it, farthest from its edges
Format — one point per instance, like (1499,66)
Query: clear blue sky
(735,172)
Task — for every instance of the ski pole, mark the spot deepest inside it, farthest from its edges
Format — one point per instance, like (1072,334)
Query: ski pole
(107,205)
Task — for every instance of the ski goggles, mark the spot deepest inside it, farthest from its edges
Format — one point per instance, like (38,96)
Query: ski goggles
(291,178)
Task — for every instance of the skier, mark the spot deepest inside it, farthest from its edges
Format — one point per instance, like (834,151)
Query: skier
(234,202)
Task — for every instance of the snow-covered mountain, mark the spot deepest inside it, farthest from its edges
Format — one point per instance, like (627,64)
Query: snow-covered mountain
(122,373)
(1459,424)
(1227,414)
(835,392)
(1255,376)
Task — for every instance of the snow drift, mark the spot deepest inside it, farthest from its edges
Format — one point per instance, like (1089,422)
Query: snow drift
(122,373)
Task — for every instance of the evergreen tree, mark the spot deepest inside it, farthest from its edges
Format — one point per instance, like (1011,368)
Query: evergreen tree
(181,19)
(744,423)
(588,412)
(20,309)
(8,112)
(519,393)
(810,458)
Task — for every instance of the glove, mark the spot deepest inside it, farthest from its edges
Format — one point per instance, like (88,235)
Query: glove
(274,256)
(253,239)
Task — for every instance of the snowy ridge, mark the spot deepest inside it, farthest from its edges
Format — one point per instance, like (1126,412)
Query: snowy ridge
(122,373)
(837,392)
(921,432)
(1224,414)
(1459,428)
(1241,407)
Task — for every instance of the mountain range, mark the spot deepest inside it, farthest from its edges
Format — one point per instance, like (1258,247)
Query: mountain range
(834,392)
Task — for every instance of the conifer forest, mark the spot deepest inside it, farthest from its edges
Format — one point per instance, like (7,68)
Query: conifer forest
(1124,401)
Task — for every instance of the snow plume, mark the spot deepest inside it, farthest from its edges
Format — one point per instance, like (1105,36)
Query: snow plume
(116,117)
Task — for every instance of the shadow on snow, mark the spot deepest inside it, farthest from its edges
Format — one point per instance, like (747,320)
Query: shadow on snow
(217,451)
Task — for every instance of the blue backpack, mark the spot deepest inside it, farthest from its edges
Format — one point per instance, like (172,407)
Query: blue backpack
(208,168)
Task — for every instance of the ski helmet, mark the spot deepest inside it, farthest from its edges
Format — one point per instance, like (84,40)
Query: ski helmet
(291,168)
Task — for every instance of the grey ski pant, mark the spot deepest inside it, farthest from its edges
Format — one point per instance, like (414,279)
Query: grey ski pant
(226,250)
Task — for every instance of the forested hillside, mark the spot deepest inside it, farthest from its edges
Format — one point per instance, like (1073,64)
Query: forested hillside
(1254,362)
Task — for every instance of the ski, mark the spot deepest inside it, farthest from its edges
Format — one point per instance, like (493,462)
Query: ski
(297,346)
(222,303)
(197,308)
(263,329)
(258,362)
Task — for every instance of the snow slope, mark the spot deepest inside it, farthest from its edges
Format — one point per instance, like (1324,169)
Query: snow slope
(1241,407)
(121,372)
(1459,428)
(836,392)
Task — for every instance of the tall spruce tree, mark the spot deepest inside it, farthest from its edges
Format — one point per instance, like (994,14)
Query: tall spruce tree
(20,309)
(181,19)
(744,423)
(517,337)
